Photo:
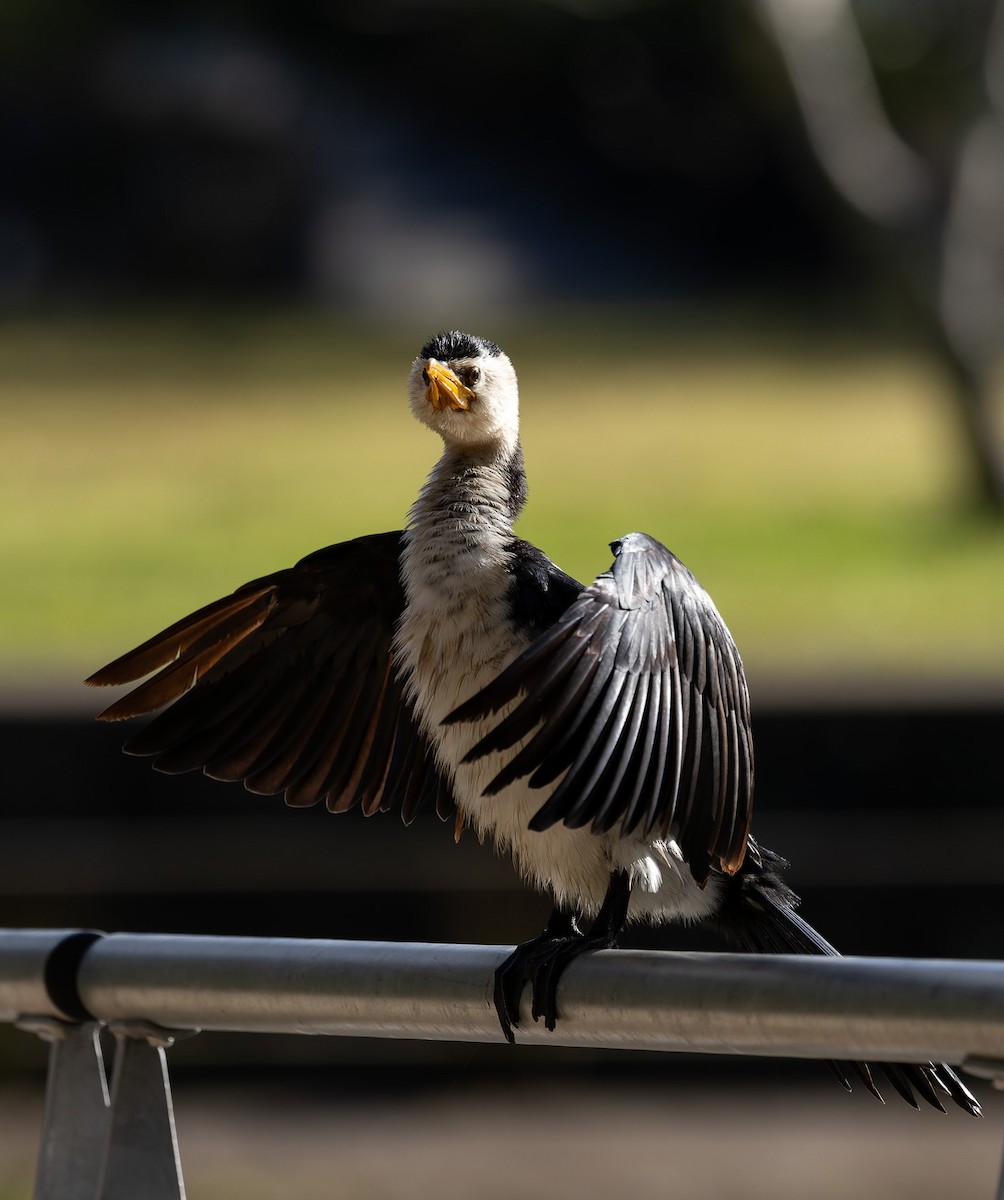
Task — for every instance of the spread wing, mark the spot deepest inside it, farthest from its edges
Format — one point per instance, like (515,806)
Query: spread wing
(637,697)
(289,685)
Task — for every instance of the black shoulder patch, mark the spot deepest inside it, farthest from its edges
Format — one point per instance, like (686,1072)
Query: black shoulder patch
(540,592)
(516,478)
(451,344)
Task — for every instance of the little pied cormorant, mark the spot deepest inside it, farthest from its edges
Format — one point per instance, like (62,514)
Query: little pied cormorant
(600,736)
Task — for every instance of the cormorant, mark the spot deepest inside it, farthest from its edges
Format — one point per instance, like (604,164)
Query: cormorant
(599,735)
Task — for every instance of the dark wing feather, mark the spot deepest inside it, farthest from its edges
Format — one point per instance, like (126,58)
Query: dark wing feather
(636,696)
(289,685)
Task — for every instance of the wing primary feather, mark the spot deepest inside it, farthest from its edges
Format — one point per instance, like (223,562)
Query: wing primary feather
(638,772)
(188,717)
(725,816)
(193,751)
(557,760)
(383,793)
(335,764)
(567,745)
(660,666)
(362,785)
(413,777)
(631,770)
(733,843)
(723,769)
(405,777)
(694,833)
(249,747)
(622,781)
(366,787)
(664,792)
(647,796)
(684,635)
(290,749)
(736,850)
(405,773)
(538,749)
(181,675)
(678,730)
(692,757)
(727,755)
(256,744)
(165,646)
(258,669)
(726,763)
(713,709)
(580,782)
(700,649)
(359,731)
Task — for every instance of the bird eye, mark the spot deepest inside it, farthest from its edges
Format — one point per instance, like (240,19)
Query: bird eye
(468,376)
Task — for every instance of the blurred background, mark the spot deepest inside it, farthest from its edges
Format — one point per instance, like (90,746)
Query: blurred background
(748,259)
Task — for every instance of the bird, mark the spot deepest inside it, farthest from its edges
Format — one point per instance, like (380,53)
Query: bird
(598,735)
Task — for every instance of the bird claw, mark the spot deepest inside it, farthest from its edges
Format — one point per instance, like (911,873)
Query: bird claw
(509,983)
(541,962)
(545,986)
(523,966)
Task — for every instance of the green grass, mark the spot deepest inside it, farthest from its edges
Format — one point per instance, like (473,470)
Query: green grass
(149,464)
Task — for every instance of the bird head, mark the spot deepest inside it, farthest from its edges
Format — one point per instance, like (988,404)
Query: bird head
(465,389)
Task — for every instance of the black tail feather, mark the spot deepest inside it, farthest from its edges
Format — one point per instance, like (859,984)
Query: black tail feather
(758,916)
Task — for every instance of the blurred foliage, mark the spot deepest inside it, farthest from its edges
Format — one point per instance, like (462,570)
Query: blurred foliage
(151,464)
(646,147)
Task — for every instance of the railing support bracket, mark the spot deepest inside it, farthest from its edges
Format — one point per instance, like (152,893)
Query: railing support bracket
(77,1110)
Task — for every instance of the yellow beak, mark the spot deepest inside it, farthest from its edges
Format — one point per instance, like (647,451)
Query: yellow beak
(443,389)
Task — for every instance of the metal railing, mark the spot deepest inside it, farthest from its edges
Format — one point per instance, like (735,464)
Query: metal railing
(102,1142)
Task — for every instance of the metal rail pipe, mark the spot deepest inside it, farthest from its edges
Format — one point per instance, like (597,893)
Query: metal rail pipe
(879,1009)
(38,972)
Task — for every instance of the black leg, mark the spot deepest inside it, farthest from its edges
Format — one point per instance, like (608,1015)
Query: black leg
(543,960)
